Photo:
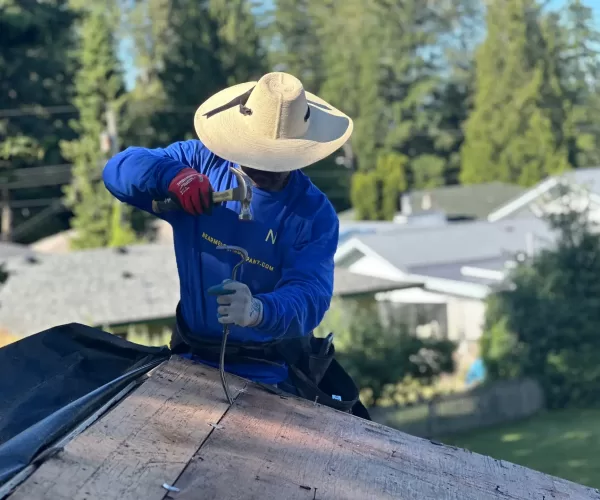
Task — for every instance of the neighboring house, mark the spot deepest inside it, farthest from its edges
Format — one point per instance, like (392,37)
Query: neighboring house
(458,265)
(543,197)
(112,288)
(347,284)
(456,202)
(105,287)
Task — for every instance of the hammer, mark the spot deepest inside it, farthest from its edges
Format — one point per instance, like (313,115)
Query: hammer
(241,193)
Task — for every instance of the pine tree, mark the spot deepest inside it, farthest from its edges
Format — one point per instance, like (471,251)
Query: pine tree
(516,132)
(293,30)
(574,37)
(212,44)
(384,67)
(98,86)
(36,72)
(376,193)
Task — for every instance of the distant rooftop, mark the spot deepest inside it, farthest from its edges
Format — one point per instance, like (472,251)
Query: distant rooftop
(475,201)
(95,287)
(9,250)
(347,283)
(410,248)
(110,287)
(521,204)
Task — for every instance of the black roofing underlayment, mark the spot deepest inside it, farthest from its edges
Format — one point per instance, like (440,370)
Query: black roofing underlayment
(51,381)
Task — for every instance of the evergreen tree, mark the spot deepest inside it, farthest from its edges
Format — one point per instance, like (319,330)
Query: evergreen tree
(145,24)
(293,30)
(517,130)
(98,86)
(213,44)
(299,35)
(36,72)
(575,38)
(545,324)
(376,193)
(385,67)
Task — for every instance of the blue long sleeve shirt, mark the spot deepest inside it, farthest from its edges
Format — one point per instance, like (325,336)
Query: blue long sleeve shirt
(291,242)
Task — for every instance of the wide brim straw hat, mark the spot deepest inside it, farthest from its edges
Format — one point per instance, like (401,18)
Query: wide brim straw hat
(272,125)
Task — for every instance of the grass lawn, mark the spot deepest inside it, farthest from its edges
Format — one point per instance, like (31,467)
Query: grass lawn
(563,443)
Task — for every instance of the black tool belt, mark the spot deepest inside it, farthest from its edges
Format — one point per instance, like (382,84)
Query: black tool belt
(316,377)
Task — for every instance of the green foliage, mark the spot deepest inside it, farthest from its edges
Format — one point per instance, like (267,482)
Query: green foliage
(546,324)
(532,118)
(385,73)
(121,233)
(36,75)
(210,46)
(98,85)
(375,194)
(35,70)
(428,171)
(379,357)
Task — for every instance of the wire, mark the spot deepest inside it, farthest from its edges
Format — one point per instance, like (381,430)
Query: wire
(36,110)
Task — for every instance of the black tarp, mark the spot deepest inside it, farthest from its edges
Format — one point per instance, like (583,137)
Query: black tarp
(51,381)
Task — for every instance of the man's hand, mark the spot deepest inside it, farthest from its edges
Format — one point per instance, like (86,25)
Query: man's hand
(193,192)
(236,304)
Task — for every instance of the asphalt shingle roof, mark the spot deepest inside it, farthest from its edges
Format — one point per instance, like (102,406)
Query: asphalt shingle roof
(453,270)
(472,201)
(109,287)
(458,242)
(348,283)
(95,287)
(8,250)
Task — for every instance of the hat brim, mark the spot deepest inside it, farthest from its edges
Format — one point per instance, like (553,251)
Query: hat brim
(227,134)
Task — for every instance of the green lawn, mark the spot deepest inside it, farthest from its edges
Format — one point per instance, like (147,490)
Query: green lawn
(562,443)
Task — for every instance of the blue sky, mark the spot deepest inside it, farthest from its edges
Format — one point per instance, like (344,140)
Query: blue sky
(125,52)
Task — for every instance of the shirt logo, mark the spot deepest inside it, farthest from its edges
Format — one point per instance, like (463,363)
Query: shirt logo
(271,236)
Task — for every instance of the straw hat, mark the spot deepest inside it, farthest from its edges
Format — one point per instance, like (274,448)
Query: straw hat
(272,125)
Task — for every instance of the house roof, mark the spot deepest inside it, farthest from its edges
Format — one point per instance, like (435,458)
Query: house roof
(465,258)
(107,286)
(465,241)
(488,275)
(347,283)
(471,201)
(588,178)
(474,201)
(9,250)
(96,287)
(175,432)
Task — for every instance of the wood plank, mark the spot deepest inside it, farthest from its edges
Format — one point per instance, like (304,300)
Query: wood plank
(143,442)
(271,448)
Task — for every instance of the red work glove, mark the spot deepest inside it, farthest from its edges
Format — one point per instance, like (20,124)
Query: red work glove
(193,192)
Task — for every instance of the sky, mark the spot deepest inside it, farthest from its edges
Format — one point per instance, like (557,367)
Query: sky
(125,48)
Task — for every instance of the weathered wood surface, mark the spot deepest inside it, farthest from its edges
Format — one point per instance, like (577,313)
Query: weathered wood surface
(267,448)
(271,450)
(143,442)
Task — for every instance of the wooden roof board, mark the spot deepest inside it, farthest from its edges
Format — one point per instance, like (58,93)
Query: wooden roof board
(177,428)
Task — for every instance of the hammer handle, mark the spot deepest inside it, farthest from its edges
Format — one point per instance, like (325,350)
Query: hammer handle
(168,205)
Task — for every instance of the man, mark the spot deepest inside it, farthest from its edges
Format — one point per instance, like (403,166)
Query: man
(270,129)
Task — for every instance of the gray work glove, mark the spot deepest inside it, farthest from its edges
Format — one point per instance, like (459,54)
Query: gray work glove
(236,304)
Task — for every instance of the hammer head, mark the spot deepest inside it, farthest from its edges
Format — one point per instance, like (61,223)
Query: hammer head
(245,185)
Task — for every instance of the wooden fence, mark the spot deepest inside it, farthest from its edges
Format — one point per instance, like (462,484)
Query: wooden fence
(483,406)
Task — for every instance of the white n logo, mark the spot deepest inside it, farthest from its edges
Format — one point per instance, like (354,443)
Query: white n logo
(271,236)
